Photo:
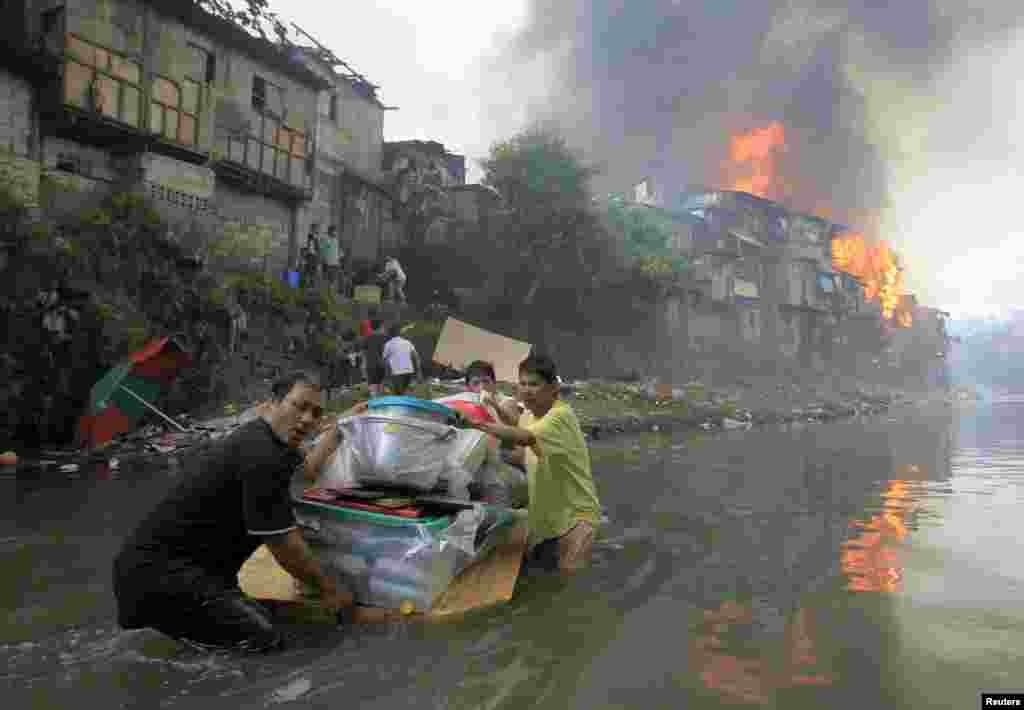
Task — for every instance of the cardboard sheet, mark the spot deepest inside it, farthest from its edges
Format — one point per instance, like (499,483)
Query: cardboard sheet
(462,343)
(367,294)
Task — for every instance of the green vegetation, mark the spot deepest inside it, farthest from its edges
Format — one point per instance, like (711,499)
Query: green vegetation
(553,234)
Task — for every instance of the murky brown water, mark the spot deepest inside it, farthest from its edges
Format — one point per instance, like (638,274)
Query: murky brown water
(870,563)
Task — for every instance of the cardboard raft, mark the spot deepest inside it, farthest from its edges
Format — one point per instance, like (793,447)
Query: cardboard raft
(485,583)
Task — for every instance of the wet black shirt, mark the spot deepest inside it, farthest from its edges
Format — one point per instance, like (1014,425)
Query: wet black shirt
(215,518)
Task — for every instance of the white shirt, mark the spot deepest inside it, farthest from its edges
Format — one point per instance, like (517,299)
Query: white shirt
(398,355)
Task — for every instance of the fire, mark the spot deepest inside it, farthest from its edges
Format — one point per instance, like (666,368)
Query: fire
(874,263)
(753,156)
(754,166)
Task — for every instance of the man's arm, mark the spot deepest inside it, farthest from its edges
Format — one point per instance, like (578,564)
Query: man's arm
(318,457)
(511,434)
(293,554)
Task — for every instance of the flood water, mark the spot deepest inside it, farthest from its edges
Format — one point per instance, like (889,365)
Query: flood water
(864,563)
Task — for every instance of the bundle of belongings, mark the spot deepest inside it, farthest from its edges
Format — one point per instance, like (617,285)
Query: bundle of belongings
(411,497)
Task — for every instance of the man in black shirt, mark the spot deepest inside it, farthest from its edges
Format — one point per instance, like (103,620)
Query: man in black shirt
(373,349)
(178,572)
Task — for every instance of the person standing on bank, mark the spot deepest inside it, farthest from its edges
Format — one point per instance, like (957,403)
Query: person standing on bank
(373,357)
(311,258)
(330,250)
(178,572)
(564,509)
(394,276)
(402,361)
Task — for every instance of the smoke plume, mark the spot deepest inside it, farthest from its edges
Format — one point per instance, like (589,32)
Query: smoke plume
(868,91)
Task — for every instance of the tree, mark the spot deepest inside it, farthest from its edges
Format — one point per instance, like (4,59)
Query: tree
(645,234)
(546,186)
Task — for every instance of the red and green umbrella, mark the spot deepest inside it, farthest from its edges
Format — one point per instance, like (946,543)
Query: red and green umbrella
(127,392)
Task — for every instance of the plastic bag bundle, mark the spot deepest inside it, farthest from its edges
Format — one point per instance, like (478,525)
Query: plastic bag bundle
(396,451)
(401,561)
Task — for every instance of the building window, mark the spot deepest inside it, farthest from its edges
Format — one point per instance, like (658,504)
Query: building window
(267,98)
(204,65)
(51,28)
(98,79)
(259,92)
(174,109)
(290,154)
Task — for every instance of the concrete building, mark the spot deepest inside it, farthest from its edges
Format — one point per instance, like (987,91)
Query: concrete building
(214,124)
(351,188)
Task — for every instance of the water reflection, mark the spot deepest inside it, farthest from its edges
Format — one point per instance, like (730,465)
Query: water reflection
(870,560)
(718,656)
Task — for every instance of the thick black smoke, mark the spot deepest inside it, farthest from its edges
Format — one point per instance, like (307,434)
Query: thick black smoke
(656,87)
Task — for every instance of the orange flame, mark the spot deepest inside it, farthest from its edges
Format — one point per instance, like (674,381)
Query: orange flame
(754,167)
(753,157)
(874,263)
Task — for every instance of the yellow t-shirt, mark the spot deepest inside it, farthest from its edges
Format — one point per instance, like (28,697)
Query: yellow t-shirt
(562,489)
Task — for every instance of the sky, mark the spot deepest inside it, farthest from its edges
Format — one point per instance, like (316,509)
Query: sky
(429,60)
(909,111)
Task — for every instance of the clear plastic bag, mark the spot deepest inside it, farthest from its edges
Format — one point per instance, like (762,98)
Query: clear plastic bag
(397,451)
(411,453)
(407,561)
(337,472)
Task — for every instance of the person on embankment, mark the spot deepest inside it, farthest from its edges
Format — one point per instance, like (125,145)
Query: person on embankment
(564,509)
(178,572)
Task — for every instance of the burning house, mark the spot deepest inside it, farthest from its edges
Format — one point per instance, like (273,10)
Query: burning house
(730,239)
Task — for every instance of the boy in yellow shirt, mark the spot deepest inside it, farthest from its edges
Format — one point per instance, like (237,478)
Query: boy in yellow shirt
(564,508)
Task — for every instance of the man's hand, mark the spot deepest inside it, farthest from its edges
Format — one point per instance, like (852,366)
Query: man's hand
(358,408)
(330,423)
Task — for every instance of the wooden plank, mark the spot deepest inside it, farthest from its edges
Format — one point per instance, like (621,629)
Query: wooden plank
(487,582)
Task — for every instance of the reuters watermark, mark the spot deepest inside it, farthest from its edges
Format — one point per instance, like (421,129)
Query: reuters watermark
(1002,700)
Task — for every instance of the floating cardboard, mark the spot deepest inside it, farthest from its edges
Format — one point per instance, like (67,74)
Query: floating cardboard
(461,343)
(366,294)
(486,582)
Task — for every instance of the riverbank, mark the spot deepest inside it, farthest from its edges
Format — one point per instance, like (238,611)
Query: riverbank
(605,409)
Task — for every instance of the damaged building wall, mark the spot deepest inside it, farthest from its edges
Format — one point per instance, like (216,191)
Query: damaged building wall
(189,92)
(352,128)
(350,187)
(265,221)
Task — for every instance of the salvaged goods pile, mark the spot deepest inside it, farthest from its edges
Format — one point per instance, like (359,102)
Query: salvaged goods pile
(402,517)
